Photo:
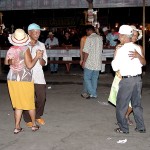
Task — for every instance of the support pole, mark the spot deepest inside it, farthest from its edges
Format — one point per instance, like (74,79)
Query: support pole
(144,26)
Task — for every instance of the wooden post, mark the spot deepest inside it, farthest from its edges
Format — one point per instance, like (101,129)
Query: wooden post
(0,34)
(144,26)
(1,22)
(90,5)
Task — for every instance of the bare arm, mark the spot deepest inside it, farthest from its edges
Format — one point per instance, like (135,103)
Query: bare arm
(135,54)
(42,62)
(28,58)
(85,56)
(81,50)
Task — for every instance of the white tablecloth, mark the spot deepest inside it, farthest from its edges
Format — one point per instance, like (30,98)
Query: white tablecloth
(107,53)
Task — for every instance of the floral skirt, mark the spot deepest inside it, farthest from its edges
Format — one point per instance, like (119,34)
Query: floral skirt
(21,94)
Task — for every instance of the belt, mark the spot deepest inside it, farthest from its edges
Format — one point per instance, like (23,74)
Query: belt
(129,76)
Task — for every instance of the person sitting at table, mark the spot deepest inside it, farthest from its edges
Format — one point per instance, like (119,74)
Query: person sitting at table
(51,42)
(105,33)
(67,43)
(112,38)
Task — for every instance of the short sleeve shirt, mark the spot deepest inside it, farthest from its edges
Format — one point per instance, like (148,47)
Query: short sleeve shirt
(18,71)
(93,46)
(37,70)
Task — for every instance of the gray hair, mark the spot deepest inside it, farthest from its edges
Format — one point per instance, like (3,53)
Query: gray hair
(130,36)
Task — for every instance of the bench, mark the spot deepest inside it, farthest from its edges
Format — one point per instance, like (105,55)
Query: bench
(68,63)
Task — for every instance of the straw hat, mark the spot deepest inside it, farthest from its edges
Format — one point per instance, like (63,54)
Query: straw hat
(139,31)
(19,38)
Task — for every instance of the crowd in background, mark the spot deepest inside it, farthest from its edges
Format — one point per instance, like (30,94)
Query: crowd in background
(75,34)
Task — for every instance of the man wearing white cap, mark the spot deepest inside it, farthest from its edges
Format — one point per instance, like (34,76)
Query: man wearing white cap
(130,86)
(37,74)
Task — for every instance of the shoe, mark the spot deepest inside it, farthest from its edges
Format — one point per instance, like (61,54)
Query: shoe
(35,128)
(141,130)
(52,72)
(91,96)
(118,130)
(85,95)
(29,124)
(40,121)
(103,72)
(55,71)
(16,131)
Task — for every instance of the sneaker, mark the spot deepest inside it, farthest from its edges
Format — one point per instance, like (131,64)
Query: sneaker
(91,96)
(40,121)
(29,124)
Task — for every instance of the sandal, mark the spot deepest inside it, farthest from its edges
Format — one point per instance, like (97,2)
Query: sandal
(16,131)
(35,128)
(118,130)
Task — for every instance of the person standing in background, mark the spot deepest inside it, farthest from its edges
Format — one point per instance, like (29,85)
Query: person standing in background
(84,93)
(92,60)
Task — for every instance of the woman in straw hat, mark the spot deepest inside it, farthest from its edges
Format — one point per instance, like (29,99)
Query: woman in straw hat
(19,78)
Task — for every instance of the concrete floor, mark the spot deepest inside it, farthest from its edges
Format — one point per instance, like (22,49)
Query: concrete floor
(73,123)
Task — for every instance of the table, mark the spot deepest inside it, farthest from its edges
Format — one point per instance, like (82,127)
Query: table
(75,52)
(63,52)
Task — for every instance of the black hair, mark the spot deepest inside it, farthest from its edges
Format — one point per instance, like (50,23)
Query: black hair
(90,27)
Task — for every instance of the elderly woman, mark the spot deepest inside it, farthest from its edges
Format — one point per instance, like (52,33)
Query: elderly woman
(19,78)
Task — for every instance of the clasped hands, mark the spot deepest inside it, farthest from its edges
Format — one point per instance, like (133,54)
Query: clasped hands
(39,54)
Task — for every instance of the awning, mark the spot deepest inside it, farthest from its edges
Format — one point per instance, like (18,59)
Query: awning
(61,4)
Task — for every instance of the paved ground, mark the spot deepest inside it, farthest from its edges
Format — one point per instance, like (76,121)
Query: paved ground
(73,123)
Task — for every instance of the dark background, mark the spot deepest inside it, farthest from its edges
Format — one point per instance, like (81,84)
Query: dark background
(55,17)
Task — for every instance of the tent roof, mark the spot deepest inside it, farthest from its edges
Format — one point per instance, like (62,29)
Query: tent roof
(61,4)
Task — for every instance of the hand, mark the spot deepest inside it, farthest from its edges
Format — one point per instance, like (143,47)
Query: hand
(39,54)
(81,61)
(83,64)
(11,61)
(67,48)
(134,54)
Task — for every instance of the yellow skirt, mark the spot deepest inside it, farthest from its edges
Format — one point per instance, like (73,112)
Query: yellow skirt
(21,94)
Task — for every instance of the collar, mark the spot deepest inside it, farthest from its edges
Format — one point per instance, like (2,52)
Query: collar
(93,33)
(36,44)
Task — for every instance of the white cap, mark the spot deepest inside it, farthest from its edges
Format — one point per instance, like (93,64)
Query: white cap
(126,29)
(105,29)
(50,33)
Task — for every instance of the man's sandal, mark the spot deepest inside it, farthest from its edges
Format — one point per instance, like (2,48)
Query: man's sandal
(16,131)
(35,128)
(118,130)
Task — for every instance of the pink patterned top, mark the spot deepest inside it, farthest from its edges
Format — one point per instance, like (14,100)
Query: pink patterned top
(18,71)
